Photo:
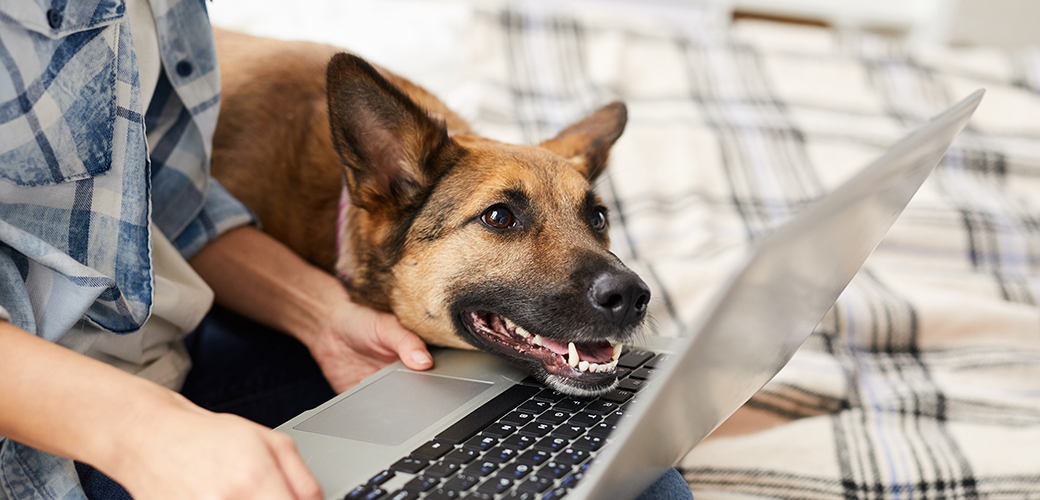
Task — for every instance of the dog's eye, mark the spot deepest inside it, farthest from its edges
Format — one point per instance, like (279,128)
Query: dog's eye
(598,220)
(498,217)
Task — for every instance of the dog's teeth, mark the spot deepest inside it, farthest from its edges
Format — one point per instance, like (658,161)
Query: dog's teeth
(583,366)
(509,323)
(537,340)
(572,355)
(596,367)
(612,365)
(523,333)
(617,351)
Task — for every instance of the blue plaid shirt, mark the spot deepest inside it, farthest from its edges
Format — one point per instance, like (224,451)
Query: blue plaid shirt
(84,167)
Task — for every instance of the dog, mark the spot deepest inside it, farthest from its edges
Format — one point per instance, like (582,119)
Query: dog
(470,242)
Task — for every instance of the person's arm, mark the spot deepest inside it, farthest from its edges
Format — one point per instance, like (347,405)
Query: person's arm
(141,434)
(259,277)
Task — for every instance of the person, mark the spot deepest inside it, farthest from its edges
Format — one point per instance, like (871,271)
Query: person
(115,242)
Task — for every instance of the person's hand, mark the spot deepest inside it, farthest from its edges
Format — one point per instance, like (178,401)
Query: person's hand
(180,451)
(357,341)
(257,276)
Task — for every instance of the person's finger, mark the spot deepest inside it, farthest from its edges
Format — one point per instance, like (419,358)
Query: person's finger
(269,486)
(408,346)
(302,483)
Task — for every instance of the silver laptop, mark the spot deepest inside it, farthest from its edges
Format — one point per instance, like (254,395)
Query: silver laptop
(475,427)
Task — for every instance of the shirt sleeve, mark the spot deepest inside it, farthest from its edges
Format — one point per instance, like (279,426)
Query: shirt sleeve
(220,212)
(15,306)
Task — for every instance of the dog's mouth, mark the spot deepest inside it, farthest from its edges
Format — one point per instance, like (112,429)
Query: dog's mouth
(583,368)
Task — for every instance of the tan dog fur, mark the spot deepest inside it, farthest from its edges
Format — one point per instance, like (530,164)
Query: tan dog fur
(274,149)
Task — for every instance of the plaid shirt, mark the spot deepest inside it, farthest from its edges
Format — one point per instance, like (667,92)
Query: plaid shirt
(76,180)
(84,168)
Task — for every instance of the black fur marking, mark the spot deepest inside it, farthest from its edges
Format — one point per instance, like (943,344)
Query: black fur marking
(560,311)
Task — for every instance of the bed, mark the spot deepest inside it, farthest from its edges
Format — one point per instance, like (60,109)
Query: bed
(923,381)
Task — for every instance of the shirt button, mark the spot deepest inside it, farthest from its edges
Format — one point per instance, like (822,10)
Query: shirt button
(184,68)
(54,18)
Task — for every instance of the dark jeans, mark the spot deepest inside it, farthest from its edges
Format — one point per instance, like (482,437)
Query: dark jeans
(249,370)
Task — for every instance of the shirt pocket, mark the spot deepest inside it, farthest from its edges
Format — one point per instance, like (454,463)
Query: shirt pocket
(58,104)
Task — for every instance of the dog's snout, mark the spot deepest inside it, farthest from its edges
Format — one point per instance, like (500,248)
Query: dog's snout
(621,296)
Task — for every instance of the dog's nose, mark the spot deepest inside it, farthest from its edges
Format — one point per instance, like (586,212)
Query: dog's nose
(621,296)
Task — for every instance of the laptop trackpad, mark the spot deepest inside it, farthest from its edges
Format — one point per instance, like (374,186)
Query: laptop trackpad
(394,408)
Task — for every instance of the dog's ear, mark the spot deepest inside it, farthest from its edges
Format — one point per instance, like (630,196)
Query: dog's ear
(587,143)
(389,146)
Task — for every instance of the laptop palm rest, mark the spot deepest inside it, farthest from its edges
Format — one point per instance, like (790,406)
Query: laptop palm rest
(394,408)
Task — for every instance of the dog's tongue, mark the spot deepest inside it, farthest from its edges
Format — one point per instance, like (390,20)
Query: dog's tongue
(593,352)
(555,346)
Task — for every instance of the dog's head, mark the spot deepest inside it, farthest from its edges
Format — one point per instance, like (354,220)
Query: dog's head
(476,243)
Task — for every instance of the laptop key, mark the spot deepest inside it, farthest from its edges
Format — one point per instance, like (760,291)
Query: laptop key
(623,372)
(572,480)
(602,429)
(569,431)
(495,485)
(584,419)
(656,361)
(572,456)
(482,468)
(536,429)
(462,455)
(443,494)
(554,470)
(409,465)
(375,494)
(421,483)
(591,443)
(461,482)
(549,395)
(554,417)
(613,418)
(535,484)
(432,450)
(500,430)
(634,358)
(521,495)
(358,492)
(535,406)
(570,405)
(519,442)
(554,494)
(601,407)
(617,396)
(518,417)
(443,469)
(486,413)
(531,381)
(534,457)
(477,495)
(480,443)
(552,443)
(631,384)
(516,471)
(501,454)
(403,495)
(381,478)
(642,373)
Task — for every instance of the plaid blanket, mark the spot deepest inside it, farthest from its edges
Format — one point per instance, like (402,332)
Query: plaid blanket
(923,381)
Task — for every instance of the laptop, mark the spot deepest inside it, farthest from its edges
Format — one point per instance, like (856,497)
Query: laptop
(475,427)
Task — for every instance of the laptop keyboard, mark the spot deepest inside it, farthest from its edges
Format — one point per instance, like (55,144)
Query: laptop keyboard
(527,443)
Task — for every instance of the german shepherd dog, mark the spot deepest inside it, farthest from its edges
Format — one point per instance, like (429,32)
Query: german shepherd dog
(470,242)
